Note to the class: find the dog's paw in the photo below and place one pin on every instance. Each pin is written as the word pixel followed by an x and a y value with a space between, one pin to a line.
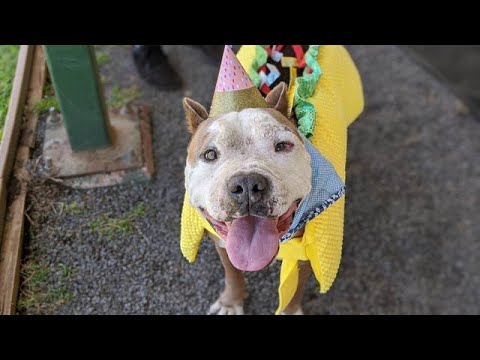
pixel 220 309
pixel 299 311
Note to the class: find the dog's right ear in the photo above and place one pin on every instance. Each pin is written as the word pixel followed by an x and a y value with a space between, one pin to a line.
pixel 195 114
pixel 278 98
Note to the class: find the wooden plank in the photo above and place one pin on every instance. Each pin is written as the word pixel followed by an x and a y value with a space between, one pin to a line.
pixel 11 246
pixel 144 113
pixel 13 123
pixel 11 252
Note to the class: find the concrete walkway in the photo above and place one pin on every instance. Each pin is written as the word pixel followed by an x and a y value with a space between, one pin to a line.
pixel 412 217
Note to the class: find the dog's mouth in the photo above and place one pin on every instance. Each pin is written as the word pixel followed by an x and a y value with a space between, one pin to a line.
pixel 252 242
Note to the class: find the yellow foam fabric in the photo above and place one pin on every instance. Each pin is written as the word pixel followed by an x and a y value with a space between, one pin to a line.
pixel 338 100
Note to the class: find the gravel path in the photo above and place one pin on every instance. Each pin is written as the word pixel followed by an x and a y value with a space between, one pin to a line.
pixel 412 216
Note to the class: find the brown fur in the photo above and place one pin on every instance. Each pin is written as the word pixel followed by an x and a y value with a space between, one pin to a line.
pixel 278 100
pixel 235 290
pixel 195 114
pixel 200 139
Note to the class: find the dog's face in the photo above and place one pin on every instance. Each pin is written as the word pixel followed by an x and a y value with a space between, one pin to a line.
pixel 246 172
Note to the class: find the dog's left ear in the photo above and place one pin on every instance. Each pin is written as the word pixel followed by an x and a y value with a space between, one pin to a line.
pixel 278 99
pixel 195 114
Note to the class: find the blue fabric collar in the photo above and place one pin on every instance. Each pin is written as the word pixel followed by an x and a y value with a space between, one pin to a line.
pixel 327 188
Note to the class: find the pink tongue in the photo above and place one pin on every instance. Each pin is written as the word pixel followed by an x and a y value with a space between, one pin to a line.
pixel 252 242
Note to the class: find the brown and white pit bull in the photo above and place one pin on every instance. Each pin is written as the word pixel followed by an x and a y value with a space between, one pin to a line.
pixel 246 172
pixel 258 184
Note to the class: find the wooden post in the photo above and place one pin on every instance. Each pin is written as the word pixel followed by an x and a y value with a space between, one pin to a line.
pixel 73 69
pixel 27 86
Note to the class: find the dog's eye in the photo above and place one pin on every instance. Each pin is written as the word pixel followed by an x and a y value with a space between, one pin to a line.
pixel 210 155
pixel 283 146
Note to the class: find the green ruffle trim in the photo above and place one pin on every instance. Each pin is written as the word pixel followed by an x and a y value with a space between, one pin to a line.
pixel 304 86
pixel 304 89
pixel 261 58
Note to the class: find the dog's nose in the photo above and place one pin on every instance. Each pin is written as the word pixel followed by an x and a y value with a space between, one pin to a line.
pixel 248 188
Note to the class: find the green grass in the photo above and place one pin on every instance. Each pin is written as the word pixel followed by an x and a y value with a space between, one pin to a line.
pixel 102 57
pixel 138 211
pixel 45 104
pixel 49 100
pixel 36 274
pixel 74 208
pixel 8 63
pixel 104 80
pixel 36 294
pixel 108 227
pixel 101 54
pixel 122 96
pixel 67 271
pixel 58 296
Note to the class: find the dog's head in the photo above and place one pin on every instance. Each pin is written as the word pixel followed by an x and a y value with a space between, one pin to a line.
pixel 246 172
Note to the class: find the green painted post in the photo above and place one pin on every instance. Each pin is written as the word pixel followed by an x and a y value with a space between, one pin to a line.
pixel 74 73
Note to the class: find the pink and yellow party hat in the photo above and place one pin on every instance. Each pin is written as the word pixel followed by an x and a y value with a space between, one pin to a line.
pixel 235 91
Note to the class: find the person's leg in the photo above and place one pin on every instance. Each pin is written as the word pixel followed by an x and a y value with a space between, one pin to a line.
pixel 153 66
pixel 214 52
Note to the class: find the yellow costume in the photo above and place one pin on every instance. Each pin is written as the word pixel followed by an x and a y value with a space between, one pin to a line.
pixel 338 99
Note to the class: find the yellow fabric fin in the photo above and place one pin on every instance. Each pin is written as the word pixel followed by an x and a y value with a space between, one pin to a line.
pixel 191 232
pixel 193 228
pixel 291 252
pixel 246 55
pixel 291 90
pixel 288 284
pixel 339 100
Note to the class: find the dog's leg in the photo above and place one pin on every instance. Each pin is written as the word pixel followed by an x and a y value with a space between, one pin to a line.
pixel 231 299
pixel 295 306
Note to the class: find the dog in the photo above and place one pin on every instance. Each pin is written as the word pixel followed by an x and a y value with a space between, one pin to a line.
pixel 247 174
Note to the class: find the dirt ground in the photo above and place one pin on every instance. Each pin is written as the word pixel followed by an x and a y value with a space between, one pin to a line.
pixel 412 221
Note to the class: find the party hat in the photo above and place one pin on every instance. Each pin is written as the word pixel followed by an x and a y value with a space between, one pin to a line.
pixel 235 91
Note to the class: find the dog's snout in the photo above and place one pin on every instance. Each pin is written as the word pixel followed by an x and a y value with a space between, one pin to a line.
pixel 248 188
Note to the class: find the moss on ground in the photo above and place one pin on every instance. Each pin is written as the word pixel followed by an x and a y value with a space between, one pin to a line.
pixel 107 226
pixel 122 96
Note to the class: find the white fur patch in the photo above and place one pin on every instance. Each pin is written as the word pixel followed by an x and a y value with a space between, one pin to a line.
pixel 245 142
pixel 219 309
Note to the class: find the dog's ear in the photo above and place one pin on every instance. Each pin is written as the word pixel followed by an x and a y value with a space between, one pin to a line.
pixel 278 98
pixel 195 114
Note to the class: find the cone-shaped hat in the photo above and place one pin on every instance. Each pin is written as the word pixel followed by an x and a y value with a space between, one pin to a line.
pixel 235 90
